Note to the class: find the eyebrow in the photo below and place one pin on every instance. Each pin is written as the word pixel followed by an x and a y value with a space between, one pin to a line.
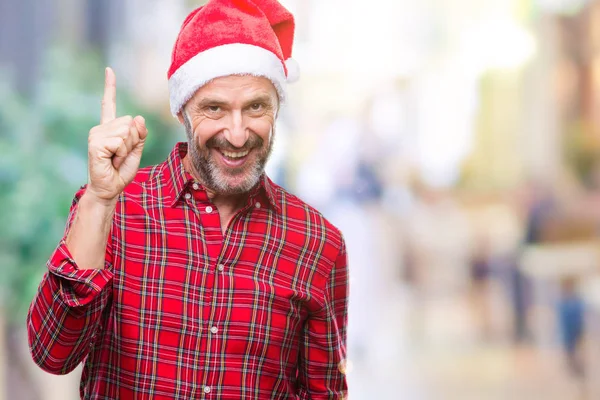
pixel 207 101
pixel 263 98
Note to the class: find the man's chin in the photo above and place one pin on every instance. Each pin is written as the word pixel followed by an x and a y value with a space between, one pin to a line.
pixel 234 186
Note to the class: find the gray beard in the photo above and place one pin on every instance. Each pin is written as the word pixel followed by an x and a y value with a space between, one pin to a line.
pixel 211 176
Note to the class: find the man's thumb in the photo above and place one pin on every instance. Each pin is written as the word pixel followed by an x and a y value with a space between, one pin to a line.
pixel 140 125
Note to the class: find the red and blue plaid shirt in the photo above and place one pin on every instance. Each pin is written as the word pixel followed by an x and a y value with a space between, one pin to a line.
pixel 183 311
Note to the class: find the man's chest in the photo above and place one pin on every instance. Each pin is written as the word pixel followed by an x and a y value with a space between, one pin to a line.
pixel 181 286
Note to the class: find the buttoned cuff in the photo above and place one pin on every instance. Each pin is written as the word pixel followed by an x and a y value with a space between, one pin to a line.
pixel 78 287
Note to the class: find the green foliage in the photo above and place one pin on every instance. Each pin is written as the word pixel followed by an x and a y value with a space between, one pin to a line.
pixel 43 161
pixel 582 151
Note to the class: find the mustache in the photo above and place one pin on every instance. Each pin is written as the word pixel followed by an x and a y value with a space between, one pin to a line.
pixel 220 142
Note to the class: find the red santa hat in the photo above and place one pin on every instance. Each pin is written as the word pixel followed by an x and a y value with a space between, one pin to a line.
pixel 232 37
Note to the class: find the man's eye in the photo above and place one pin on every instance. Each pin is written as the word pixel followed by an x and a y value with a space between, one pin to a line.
pixel 256 107
pixel 213 109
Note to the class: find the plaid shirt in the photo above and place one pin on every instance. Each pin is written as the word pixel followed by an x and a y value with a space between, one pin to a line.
pixel 181 311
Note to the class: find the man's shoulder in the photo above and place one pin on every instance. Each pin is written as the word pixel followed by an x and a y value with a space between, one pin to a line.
pixel 148 173
pixel 159 177
pixel 302 216
pixel 144 179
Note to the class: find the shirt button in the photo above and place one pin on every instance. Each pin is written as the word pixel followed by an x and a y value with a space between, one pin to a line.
pixel 188 196
pixel 209 209
pixel 214 329
pixel 195 186
pixel 206 389
pixel 257 205
pixel 221 267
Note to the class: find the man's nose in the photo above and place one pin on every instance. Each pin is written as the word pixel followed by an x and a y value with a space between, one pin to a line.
pixel 236 133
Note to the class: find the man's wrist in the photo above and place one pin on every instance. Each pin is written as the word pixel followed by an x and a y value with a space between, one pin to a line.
pixel 87 236
pixel 90 199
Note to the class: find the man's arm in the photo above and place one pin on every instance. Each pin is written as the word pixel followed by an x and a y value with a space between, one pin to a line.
pixel 322 366
pixel 66 310
pixel 65 313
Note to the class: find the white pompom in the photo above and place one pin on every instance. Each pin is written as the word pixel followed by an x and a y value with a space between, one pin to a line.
pixel 293 70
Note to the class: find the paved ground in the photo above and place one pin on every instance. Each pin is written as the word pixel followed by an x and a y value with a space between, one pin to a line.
pixel 435 348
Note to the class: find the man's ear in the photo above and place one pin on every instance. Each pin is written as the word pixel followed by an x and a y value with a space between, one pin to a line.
pixel 180 117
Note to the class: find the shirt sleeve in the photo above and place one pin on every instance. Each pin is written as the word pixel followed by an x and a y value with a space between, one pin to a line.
pixel 65 313
pixel 322 361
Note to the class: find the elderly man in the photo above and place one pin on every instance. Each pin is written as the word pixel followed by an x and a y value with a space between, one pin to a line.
pixel 198 277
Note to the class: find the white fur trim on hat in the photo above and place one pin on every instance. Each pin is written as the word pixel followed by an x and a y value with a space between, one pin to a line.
pixel 229 59
pixel 293 70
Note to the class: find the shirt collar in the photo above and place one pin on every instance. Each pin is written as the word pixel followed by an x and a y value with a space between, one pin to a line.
pixel 173 174
pixel 178 180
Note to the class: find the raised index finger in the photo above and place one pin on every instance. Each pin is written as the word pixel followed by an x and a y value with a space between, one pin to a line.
pixel 109 101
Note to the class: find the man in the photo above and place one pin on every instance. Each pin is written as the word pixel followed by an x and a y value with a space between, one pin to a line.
pixel 198 277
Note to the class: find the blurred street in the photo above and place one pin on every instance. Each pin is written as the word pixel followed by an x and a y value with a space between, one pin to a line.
pixel 455 143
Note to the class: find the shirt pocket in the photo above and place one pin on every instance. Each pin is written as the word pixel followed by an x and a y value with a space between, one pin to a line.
pixel 264 313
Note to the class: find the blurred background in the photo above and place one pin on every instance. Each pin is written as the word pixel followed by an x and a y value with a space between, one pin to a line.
pixel 456 143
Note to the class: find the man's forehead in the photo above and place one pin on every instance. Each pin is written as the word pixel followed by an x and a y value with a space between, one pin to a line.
pixel 238 85
pixel 236 88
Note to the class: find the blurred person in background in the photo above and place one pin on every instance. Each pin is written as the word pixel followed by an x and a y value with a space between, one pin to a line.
pixel 198 276
pixel 481 269
pixel 539 205
pixel 570 309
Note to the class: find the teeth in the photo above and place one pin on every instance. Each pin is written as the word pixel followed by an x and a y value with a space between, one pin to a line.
pixel 236 155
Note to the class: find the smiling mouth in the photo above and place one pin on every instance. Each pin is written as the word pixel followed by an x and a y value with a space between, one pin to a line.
pixel 233 159
pixel 235 154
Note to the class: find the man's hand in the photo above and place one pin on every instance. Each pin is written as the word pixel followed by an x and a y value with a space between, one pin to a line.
pixel 114 147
